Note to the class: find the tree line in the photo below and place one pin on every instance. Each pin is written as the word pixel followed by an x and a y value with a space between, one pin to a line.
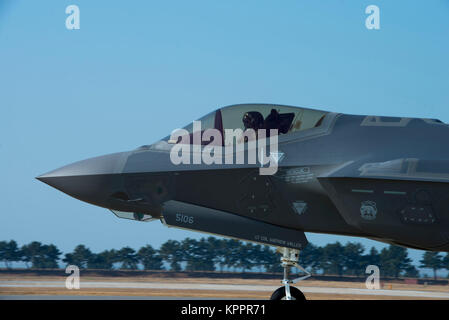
pixel 214 254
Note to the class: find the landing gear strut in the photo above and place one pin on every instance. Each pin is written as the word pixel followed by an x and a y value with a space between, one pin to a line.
pixel 290 259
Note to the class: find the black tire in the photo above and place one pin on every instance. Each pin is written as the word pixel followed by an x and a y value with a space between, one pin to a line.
pixel 296 294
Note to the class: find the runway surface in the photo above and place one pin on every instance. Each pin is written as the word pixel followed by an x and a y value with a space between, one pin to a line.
pixel 80 297
pixel 216 287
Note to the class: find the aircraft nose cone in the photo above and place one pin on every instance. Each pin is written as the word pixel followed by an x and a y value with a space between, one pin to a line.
pixel 89 180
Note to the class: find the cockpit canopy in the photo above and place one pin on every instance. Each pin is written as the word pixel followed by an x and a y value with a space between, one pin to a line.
pixel 284 119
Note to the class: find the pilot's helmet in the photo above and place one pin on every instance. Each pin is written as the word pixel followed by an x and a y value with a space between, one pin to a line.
pixel 253 120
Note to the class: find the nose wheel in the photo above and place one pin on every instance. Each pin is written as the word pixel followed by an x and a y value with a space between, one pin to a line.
pixel 289 259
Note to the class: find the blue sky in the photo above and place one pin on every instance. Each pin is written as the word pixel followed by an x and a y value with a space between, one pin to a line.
pixel 135 71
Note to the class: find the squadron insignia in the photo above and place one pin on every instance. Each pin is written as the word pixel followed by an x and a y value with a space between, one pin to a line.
pixel 368 210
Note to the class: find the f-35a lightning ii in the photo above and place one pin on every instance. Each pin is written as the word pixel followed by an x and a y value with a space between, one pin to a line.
pixel 382 178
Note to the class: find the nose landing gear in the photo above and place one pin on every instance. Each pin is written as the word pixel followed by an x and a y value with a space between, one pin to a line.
pixel 289 259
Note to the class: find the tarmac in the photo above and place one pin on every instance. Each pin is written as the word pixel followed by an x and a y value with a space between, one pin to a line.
pixel 408 294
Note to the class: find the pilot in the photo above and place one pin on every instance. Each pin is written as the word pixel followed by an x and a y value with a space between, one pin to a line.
pixel 251 120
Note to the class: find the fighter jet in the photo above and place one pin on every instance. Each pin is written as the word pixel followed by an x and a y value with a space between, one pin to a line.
pixel 269 173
